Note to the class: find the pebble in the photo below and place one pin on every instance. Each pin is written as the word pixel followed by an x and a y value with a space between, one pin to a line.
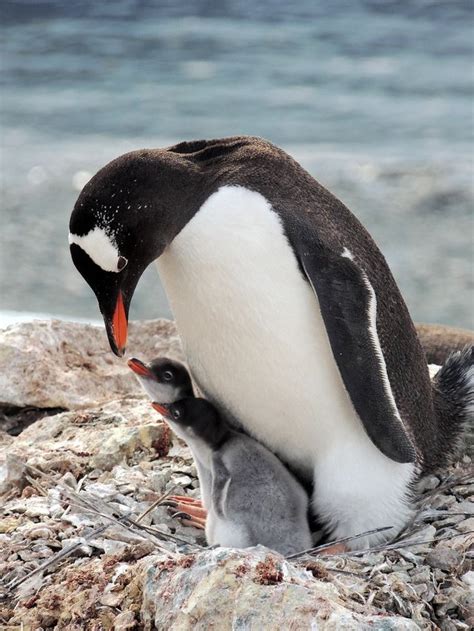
pixel 12 472
pixel 467 525
pixel 444 558
pixel 181 480
pixel 468 578
pixel 443 501
pixel 465 507
pixel 421 575
pixel 125 621
pixel 427 483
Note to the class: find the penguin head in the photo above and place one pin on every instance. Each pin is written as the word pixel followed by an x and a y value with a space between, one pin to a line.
pixel 124 218
pixel 193 418
pixel 163 379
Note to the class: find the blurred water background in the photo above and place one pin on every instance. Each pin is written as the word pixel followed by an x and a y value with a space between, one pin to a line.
pixel 374 98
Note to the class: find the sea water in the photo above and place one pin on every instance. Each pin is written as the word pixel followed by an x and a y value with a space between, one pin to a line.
pixel 374 98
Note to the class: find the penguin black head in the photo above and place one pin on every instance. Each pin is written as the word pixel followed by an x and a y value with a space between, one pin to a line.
pixel 195 418
pixel 132 209
pixel 124 218
pixel 163 379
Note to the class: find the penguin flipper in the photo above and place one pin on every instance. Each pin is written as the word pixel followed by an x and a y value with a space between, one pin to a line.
pixel 348 307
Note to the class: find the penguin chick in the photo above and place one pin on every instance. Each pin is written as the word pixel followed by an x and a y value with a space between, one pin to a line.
pixel 166 381
pixel 254 499
pixel 163 379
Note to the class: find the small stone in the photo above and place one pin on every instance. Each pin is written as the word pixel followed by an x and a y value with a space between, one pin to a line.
pixel 467 525
pixel 468 578
pixel 12 472
pixel 452 520
pixel 421 540
pixel 39 532
pixel 465 490
pixel 444 558
pixel 427 483
pixel 124 621
pixel 447 625
pixel 9 524
pixel 443 501
pixel 422 575
pixel 465 507
pixel 182 480
pixel 420 589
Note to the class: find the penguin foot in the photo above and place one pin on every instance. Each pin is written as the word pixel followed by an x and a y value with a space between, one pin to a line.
pixel 190 520
pixel 189 509
pixel 185 499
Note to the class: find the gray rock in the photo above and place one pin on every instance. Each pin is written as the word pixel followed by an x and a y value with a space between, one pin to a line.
pixel 467 525
pixel 468 578
pixel 427 483
pixel 250 589
pixel 444 558
pixel 12 472
pixel 77 367
pixel 466 507
pixel 119 431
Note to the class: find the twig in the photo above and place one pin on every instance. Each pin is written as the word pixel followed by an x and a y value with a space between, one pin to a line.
pixel 86 504
pixel 156 503
pixel 324 546
pixel 153 529
pixel 402 544
pixel 455 481
pixel 62 554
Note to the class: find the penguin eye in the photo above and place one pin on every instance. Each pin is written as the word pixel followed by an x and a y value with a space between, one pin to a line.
pixel 121 263
pixel 167 375
pixel 176 414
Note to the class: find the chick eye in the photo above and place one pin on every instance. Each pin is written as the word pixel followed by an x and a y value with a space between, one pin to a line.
pixel 176 414
pixel 167 375
pixel 121 263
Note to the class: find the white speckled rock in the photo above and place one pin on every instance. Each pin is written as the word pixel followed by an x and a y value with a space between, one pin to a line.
pixel 66 364
pixel 251 589
pixel 103 436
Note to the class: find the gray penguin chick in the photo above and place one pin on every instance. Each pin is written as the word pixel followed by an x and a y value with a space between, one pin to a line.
pixel 166 381
pixel 253 499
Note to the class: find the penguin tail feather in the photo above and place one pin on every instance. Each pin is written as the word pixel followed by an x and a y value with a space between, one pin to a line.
pixel 453 392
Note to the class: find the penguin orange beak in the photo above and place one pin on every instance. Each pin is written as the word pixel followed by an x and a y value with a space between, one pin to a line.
pixel 120 325
pixel 161 409
pixel 139 368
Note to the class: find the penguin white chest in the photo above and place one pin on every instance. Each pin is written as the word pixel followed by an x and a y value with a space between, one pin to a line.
pixel 252 329
pixel 257 346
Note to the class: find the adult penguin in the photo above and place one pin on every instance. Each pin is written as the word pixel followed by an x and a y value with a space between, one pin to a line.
pixel 290 319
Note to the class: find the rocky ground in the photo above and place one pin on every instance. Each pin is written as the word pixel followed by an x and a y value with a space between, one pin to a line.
pixel 86 541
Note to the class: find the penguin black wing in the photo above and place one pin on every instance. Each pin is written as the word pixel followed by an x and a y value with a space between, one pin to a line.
pixel 348 307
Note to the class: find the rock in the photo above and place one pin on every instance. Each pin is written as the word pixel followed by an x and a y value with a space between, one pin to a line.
pixel 119 431
pixel 12 472
pixel 69 365
pixel 466 507
pixel 124 621
pixel 427 483
pixel 124 442
pixel 91 476
pixel 468 578
pixel 444 558
pixel 467 525
pixel 251 589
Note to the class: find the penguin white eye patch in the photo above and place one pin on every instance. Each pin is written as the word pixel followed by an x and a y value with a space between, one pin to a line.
pixel 101 248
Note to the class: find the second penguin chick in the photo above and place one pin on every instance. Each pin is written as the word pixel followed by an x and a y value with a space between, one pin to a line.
pixel 253 499
pixel 166 381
